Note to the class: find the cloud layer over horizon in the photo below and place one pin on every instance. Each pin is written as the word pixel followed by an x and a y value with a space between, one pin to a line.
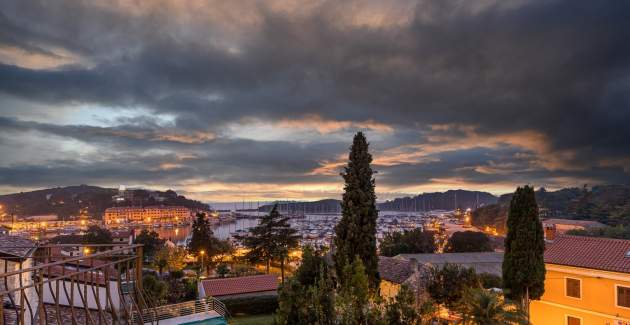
pixel 259 99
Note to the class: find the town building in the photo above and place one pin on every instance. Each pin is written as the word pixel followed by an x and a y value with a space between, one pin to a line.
pixel 587 281
pixel 16 253
pixel 395 272
pixel 411 269
pixel 239 287
pixel 554 227
pixel 147 215
pixel 482 262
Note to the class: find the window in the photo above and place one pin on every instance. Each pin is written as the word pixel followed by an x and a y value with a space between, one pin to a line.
pixel 573 320
pixel 573 288
pixel 623 296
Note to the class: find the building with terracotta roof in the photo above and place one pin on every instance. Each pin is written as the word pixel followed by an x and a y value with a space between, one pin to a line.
pixel 554 227
pixel 394 272
pixel 16 253
pixel 411 269
pixel 239 287
pixel 587 282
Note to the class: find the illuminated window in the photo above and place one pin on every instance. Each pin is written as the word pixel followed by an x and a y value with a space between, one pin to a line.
pixel 573 287
pixel 623 296
pixel 573 320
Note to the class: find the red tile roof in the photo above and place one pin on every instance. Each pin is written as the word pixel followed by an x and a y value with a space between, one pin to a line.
pixel 240 285
pixel 392 269
pixel 590 252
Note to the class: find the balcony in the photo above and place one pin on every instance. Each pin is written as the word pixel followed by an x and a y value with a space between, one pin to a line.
pixel 40 285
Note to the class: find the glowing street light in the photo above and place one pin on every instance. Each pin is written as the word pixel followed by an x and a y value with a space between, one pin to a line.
pixel 86 251
pixel 202 252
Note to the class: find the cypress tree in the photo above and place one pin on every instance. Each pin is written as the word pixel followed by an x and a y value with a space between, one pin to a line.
pixel 355 234
pixel 523 262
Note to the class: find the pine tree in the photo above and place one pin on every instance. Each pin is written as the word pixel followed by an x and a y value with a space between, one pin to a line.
pixel 523 262
pixel 355 234
pixel 272 238
pixel 202 237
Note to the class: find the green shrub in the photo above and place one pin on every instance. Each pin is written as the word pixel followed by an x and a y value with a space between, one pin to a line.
pixel 254 305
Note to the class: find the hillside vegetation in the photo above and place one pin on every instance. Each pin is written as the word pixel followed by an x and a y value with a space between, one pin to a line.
pixel 87 200
pixel 608 204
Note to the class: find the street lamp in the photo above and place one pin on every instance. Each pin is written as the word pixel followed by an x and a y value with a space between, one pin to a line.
pixel 202 252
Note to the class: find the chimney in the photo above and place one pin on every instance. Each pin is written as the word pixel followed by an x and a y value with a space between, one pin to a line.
pixel 550 232
pixel 413 264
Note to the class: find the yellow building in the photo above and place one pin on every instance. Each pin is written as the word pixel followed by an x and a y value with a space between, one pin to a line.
pixel 394 272
pixel 146 215
pixel 587 283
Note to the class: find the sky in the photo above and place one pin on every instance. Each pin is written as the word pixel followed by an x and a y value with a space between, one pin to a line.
pixel 259 100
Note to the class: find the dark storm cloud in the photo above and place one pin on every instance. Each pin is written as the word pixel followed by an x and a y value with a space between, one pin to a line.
pixel 220 160
pixel 559 69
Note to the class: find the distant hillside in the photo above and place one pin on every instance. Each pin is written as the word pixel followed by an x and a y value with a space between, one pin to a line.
pixel 449 200
pixel 423 202
pixel 79 200
pixel 609 204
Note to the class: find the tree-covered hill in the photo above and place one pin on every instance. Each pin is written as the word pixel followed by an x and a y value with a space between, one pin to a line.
pixel 87 200
pixel 422 202
pixel 608 204
pixel 449 200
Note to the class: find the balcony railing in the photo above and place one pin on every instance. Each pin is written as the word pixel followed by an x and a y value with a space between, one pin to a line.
pixel 154 315
pixel 46 286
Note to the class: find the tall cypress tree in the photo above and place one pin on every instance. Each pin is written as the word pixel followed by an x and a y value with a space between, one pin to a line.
pixel 355 234
pixel 523 262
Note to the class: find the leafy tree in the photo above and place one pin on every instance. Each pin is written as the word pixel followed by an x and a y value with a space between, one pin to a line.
pixel 223 249
pixel 222 270
pixel 155 288
pixel 415 241
pixel 202 237
pixel 468 241
pixel 312 266
pixel 176 259
pixel 322 295
pixel 161 259
pixel 355 234
pixel 293 305
pixel 97 235
pixel 272 238
pixel 173 258
pixel 151 241
pixel 402 309
pixel 523 263
pixel 446 285
pixel 618 232
pixel 489 280
pixel 486 307
pixel 354 295
pixel 286 239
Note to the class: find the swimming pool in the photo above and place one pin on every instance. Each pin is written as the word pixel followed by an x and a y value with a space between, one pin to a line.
pixel 211 321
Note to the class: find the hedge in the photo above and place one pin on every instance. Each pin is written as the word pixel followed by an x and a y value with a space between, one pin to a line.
pixel 253 305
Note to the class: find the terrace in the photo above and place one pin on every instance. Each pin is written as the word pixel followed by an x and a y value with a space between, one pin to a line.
pixel 38 285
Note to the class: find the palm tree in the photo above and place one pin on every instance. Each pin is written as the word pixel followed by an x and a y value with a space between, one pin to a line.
pixel 480 306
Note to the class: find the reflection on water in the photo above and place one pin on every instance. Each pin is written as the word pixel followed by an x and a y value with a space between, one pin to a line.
pixel 180 235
